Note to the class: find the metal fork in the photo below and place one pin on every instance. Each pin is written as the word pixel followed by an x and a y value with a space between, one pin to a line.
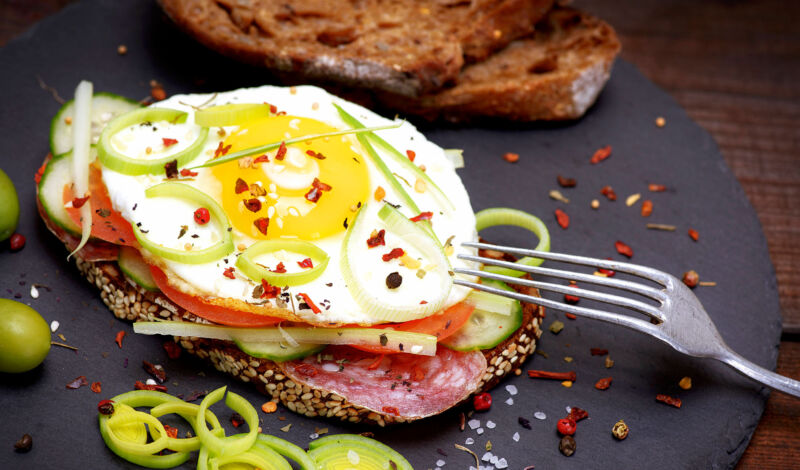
pixel 678 320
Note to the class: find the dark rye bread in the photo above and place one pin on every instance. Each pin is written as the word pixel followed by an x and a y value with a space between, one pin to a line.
pixel 407 47
pixel 555 74
pixel 130 302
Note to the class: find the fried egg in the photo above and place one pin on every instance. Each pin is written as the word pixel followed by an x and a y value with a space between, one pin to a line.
pixel 282 192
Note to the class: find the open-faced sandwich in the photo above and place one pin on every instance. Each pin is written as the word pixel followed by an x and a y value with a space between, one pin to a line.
pixel 298 241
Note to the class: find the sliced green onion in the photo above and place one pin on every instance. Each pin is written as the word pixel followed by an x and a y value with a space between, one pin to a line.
pixel 414 343
pixel 233 114
pixel 134 447
pixel 267 147
pixel 504 216
pixel 287 449
pixel 216 251
pixel 187 411
pixel 490 302
pixel 115 160
pixel 404 161
pixel 247 265
pixel 456 157
pixel 333 452
pixel 81 142
pixel 258 457
pixel 224 446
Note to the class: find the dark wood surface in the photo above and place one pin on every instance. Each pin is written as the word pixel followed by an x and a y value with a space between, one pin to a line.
pixel 735 67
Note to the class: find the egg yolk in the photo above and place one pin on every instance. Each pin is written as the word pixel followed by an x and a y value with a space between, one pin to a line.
pixel 308 190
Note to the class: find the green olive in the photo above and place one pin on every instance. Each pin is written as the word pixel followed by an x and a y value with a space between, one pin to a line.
pixel 24 337
pixel 9 207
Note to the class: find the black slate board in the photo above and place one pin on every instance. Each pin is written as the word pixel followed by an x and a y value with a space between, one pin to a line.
pixel 718 415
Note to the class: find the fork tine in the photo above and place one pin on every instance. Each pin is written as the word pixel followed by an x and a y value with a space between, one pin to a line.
pixel 615 318
pixel 629 286
pixel 583 293
pixel 635 269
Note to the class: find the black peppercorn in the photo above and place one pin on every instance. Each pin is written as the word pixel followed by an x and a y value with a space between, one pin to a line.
pixel 393 280
pixel 567 445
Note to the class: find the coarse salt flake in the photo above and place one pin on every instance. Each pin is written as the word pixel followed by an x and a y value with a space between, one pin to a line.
pixel 150 382
pixel 353 457
pixel 469 441
pixel 490 424
pixel 330 367
pixel 54 325
pixel 313 436
pixel 539 415
pixel 512 390
pixel 515 437
pixel 569 409
pixel 487 456
pixel 479 431
pixel 502 463
pixel 34 292
pixel 510 401
pixel 440 463
pixel 474 424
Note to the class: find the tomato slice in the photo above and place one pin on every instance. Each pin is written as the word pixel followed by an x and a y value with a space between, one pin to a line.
pixel 107 224
pixel 212 313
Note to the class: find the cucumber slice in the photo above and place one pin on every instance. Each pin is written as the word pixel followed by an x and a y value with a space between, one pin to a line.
pixel 485 330
pixel 278 352
pixel 133 265
pixel 353 450
pixel 105 106
pixel 51 192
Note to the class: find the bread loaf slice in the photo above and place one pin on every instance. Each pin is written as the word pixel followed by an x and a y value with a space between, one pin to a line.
pixel 406 47
pixel 555 74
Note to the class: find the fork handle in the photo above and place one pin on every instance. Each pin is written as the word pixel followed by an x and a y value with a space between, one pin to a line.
pixel 766 377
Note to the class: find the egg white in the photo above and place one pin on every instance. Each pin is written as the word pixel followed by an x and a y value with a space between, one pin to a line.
pixel 162 216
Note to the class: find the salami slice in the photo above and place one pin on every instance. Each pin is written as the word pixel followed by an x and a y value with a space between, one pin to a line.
pixel 402 385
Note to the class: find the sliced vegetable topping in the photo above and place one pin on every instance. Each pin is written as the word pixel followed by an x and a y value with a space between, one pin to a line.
pixel 216 251
pixel 228 446
pixel 104 107
pixel 81 142
pixel 249 267
pixel 117 161
pixel 353 450
pixel 505 216
pixel 230 114
pixel 133 265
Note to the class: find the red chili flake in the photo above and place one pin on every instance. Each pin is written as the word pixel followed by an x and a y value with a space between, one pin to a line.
pixel 603 383
pixel 572 299
pixel 171 432
pixel 608 192
pixel 395 253
pixel 269 291
pixel 78 202
pixel 607 272
pixel 541 374
pixel 169 142
pixel 562 218
pixel 172 349
pixel 311 304
pixel 157 93
pixel 306 369
pixel 411 155
pixel 17 242
pixel 577 414
pixel 422 216
pixel 313 195
pixel 202 216
pixel 306 263
pixel 252 204
pixel 571 316
pixel 566 182
pixel 272 108
pixel 566 426
pixel 676 402
pixel 280 268
pixel 241 186
pixel 482 401
pixel 262 224
pixel 229 272
pixel 78 383
pixel 281 153
pixel 185 172
pixel 511 157
pixel 105 407
pixel 171 169
pixel 693 234
pixel 118 338
pixel 647 208
pixel 320 185
pixel 601 154
pixel 376 239
pixel 221 149
pixel 390 410
pixel 96 387
pixel 598 351
pixel 261 159
pixel 656 188
pixel 316 155
pixel 623 249
pixel 139 385
pixel 237 420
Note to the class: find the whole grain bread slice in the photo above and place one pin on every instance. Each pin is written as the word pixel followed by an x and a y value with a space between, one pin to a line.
pixel 406 47
pixel 555 74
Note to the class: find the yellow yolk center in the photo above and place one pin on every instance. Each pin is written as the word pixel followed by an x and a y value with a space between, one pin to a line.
pixel 307 194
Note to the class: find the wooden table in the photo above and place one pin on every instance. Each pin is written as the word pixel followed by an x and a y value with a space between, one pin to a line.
pixel 735 67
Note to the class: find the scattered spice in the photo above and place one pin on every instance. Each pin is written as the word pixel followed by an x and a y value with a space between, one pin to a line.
pixel 262 224
pixel 482 401
pixel 685 383
pixel 660 122
pixel 308 301
pixel 306 263
pixel 691 278
pixel 139 385
pixel 78 202
pixel 609 362
pixel 170 431
pixel 600 155
pixel 595 204
pixel 281 153
pixel 566 426
pixel 567 445
pixel 511 157
pixel 287 427
pixel 632 199
pixel 676 402
pixel 17 242
pixel 171 169
pixel 609 193
pixel 707 283
pixel 598 351
pixel 118 338
pixel 556 327
pixel 96 387
pixel 603 383
pixel 393 280
pixel 202 216
pixel 562 218
pixel 577 414
pixel 269 407
pixel 78 383
pixel 572 299
pixel 571 316
pixel 566 182
pixel 228 272
pixel 155 370
pixel 168 142
pixel 411 155
pixel 567 383
pixel 24 444
pixel 376 238
pixel 122 49
pixel 525 423
pixel 556 195
pixel 185 172
pixel 541 374
pixel 620 430
pixel 693 234
pixel 316 155
pixel 477 461
pixel 254 204
pixel 237 420
pixel 172 349
pixel 656 188
pixel 647 208
pixel 665 227
pixel 241 186
pixel 380 193
pixel 422 216
pixel 157 92
pixel 395 253
pixel 221 149
pixel 623 249
pixel 462 420
pixel 105 407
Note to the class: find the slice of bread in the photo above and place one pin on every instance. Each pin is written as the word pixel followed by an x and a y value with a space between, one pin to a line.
pixel 555 74
pixel 407 47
